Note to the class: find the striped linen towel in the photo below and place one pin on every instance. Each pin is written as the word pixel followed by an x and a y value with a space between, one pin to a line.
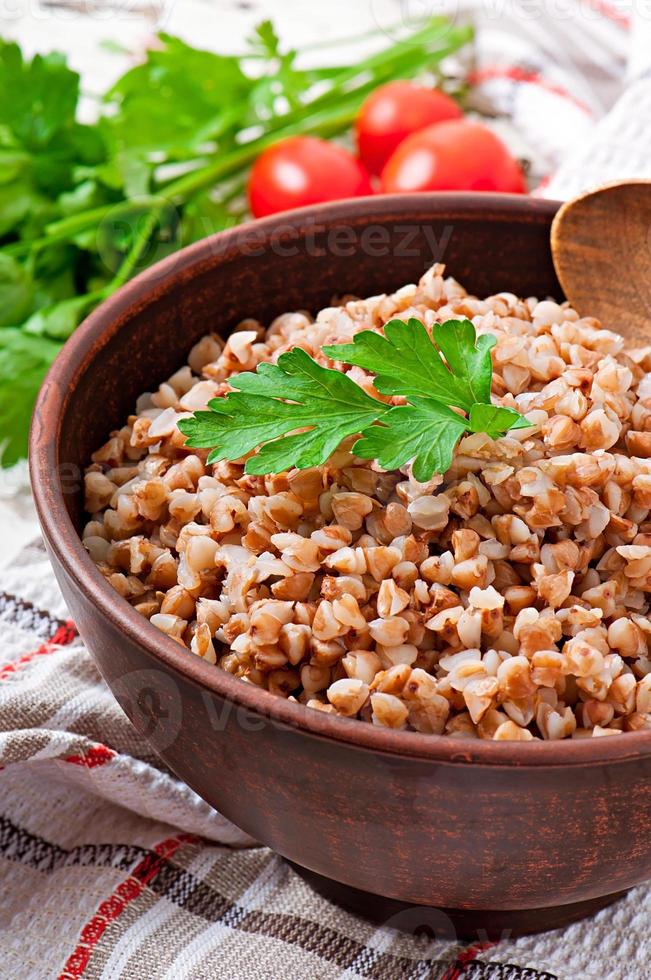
pixel 111 868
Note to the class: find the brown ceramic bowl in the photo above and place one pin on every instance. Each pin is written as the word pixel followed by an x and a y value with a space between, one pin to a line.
pixel 516 835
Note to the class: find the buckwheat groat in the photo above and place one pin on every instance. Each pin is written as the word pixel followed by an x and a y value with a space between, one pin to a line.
pixel 505 599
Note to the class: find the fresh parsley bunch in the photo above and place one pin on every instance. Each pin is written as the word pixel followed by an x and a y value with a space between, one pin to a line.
pixel 445 379
pixel 85 207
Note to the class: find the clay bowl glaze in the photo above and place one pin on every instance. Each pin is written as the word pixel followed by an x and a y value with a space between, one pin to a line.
pixel 520 836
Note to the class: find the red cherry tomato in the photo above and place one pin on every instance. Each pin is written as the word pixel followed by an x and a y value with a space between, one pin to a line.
pixel 304 170
pixel 453 156
pixel 394 111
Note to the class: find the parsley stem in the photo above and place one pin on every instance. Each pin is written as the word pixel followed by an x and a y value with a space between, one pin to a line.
pixel 132 257
pixel 65 229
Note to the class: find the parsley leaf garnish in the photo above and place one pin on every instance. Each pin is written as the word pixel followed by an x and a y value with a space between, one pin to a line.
pixel 296 412
pixel 326 401
pixel 406 362
pixel 425 431
pixel 494 420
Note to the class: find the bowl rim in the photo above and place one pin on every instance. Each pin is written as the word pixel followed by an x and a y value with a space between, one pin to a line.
pixel 65 544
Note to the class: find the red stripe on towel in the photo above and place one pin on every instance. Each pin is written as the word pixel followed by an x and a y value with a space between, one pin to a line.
pixel 97 755
pixel 60 638
pixel 456 969
pixel 109 910
pixel 515 73
pixel 610 12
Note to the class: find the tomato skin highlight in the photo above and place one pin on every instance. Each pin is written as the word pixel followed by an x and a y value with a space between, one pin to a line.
pixel 460 155
pixel 394 111
pixel 304 170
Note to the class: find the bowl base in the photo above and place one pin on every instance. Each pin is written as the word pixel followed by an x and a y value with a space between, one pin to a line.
pixel 468 924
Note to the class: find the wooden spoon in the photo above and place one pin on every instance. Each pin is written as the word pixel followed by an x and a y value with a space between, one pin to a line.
pixel 601 246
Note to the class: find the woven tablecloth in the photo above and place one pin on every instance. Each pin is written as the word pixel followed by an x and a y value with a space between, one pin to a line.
pixel 109 866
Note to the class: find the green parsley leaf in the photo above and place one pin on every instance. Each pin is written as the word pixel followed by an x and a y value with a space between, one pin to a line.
pixel 177 100
pixel 58 320
pixel 16 291
pixel 18 199
pixel 38 99
pixel 264 41
pixel 407 362
pixel 282 78
pixel 24 359
pixel 468 358
pixel 425 431
pixel 325 402
pixel 404 360
pixel 495 420
pixel 12 164
pixel 326 406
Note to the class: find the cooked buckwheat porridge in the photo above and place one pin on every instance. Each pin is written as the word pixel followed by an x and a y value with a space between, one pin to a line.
pixel 506 599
